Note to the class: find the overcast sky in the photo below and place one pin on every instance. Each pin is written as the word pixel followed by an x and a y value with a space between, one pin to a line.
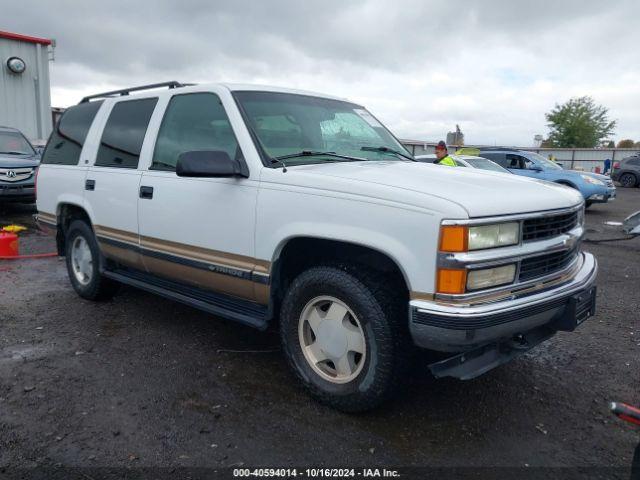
pixel 494 67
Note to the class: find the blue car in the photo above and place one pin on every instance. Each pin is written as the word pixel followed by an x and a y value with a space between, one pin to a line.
pixel 595 188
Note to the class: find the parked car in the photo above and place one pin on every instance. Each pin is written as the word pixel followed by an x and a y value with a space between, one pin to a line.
pixel 275 206
pixel 594 188
pixel 18 164
pixel 469 161
pixel 627 172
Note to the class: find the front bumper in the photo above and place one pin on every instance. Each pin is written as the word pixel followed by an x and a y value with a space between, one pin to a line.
pixel 450 328
pixel 17 192
pixel 604 197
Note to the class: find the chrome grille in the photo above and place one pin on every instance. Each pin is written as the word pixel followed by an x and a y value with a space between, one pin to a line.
pixel 545 264
pixel 15 174
pixel 546 227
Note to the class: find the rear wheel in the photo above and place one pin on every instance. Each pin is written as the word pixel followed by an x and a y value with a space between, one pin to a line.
pixel 343 337
pixel 83 264
pixel 628 180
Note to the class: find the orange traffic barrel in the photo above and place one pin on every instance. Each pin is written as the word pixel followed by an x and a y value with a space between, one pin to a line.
pixel 8 244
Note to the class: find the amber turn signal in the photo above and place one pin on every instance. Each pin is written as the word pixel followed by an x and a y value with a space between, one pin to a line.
pixel 454 238
pixel 451 281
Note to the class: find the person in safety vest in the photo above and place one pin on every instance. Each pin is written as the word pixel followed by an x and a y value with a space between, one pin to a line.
pixel 442 156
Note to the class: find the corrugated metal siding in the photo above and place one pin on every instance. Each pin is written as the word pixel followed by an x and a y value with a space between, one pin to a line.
pixel 20 105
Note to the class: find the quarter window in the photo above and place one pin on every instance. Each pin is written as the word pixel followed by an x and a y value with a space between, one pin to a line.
pixel 68 136
pixel 193 121
pixel 124 133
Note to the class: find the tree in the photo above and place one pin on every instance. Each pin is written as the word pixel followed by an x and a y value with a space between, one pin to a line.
pixel 626 143
pixel 579 123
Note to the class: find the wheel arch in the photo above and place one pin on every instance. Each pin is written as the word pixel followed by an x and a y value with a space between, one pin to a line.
pixel 296 254
pixel 66 213
pixel 567 183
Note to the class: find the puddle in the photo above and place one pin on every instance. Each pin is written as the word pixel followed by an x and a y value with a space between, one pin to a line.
pixel 21 353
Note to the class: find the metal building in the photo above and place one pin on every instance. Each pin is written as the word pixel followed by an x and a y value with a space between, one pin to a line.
pixel 25 98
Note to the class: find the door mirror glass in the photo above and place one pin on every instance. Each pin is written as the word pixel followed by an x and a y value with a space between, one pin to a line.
pixel 207 163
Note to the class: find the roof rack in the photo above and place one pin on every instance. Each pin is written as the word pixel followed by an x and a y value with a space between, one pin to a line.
pixel 127 91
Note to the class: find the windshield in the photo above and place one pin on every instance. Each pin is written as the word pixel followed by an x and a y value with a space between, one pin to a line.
pixel 485 164
pixel 543 162
pixel 288 124
pixel 13 143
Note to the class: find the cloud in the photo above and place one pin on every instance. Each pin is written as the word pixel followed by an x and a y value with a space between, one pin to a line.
pixel 494 67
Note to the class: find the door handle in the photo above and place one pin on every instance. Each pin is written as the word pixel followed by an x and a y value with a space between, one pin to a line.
pixel 146 192
pixel 90 185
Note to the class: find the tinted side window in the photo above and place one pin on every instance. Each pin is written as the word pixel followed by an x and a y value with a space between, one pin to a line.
pixel 68 136
pixel 124 133
pixel 194 121
pixel 499 158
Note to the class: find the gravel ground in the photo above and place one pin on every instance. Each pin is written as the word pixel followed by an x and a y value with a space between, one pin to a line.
pixel 141 381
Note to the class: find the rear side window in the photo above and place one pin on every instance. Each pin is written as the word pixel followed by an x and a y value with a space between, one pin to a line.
pixel 194 121
pixel 68 136
pixel 124 133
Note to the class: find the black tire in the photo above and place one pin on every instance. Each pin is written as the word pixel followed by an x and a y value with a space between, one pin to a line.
pixel 628 180
pixel 587 204
pixel 382 316
pixel 98 287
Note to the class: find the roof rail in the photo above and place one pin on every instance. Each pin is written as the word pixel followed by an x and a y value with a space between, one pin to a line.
pixel 497 147
pixel 127 91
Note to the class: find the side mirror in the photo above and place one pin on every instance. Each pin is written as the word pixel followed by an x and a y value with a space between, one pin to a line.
pixel 208 163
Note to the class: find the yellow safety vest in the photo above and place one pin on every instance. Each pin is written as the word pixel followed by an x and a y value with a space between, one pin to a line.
pixel 448 161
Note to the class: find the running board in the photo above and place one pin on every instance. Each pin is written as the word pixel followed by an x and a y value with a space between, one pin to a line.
pixel 243 311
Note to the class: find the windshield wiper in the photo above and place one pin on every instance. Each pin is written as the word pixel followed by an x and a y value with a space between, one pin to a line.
pixel 13 153
pixel 312 153
pixel 388 150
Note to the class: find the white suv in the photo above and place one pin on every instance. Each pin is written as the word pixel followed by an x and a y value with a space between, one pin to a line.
pixel 274 206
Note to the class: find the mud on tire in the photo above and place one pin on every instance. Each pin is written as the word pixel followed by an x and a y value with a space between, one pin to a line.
pixel 382 318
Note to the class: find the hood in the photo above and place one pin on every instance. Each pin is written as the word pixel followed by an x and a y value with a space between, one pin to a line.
pixel 480 192
pixel 19 161
pixel 602 178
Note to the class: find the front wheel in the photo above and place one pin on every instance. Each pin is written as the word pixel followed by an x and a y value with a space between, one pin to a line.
pixel 342 335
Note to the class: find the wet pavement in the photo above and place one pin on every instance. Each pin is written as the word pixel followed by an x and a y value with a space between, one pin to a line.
pixel 140 381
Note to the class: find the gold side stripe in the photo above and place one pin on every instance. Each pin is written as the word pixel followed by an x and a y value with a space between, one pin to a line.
pixel 47 217
pixel 189 252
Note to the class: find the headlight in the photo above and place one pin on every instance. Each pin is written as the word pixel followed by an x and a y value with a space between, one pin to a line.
pixel 491 236
pixel 592 180
pixel 460 238
pixel 491 277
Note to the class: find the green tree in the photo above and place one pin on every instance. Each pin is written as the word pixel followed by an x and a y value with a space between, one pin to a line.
pixel 579 123
pixel 626 143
